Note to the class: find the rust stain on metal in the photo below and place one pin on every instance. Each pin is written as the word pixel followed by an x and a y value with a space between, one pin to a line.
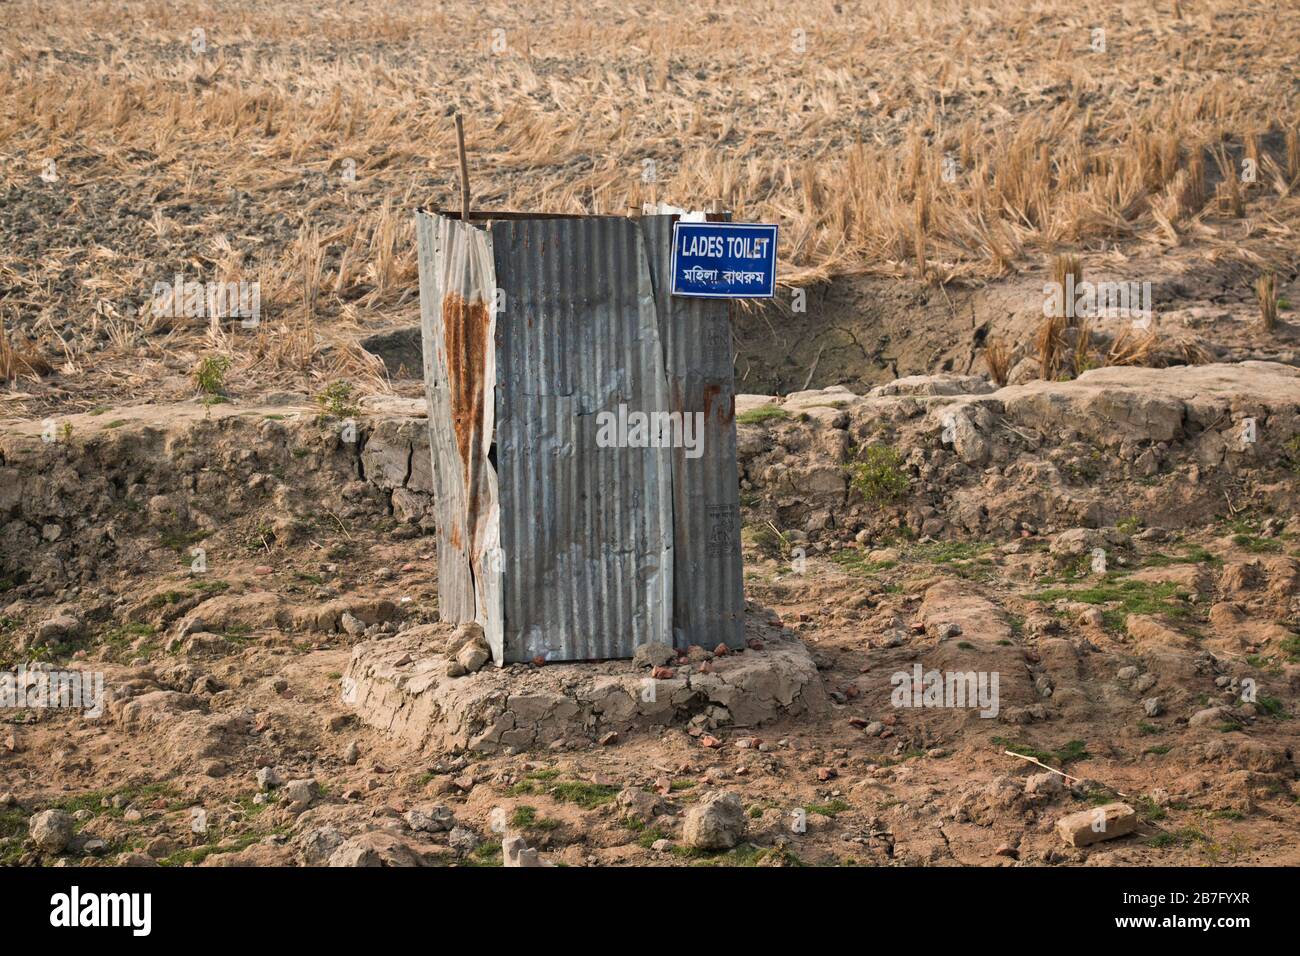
pixel 726 410
pixel 465 326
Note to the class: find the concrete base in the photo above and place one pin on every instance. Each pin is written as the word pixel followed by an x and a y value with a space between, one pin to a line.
pixel 400 685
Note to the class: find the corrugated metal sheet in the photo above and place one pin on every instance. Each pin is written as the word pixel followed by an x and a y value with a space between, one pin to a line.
pixel 457 285
pixel 601 548
pixel 709 600
pixel 586 530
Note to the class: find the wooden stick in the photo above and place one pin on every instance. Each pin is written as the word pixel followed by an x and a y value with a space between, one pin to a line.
pixel 464 169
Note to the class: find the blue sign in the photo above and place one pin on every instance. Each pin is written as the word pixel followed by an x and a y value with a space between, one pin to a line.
pixel 724 260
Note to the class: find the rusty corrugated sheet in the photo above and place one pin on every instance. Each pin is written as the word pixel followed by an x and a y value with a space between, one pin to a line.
pixel 586 531
pixel 457 285
pixel 600 548
pixel 709 599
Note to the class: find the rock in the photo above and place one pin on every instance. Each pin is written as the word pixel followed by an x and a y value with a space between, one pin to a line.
pixel 351 754
pixel 716 822
pixel 473 655
pixel 515 852
pixel 462 839
pixel 57 629
pixel 374 849
pixel 1127 673
pixel 1210 715
pixel 874 729
pixel 661 845
pixel 653 654
pixel 430 819
pixel 352 625
pixel 316 846
pixel 1106 822
pixel 1153 707
pixel 1043 784
pixel 299 794
pixel 1145 683
pixel 268 779
pixel 635 803
pixel 50 830
pixel 136 858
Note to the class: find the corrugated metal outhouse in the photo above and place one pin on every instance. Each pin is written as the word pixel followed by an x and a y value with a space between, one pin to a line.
pixel 539 332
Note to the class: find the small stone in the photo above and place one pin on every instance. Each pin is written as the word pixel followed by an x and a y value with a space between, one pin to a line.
pixel 462 839
pixel 661 846
pixel 716 822
pixel 50 830
pixel 352 625
pixel 609 739
pixel 351 754
pixel 1127 673
pixel 430 819
pixel 268 779
pixel 662 673
pixel 299 794
pixel 515 852
pixel 1145 683
pixel 653 654
pixel 826 773
pixel 1043 784
pixel 133 816
pixel 698 655
pixel 1210 715
pixel 1153 707
pixel 721 650
pixel 473 655
pixel 874 729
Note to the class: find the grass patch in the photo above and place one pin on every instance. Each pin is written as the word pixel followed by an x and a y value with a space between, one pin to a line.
pixel 1272 706
pixel 94 800
pixel 1183 836
pixel 878 476
pixel 1130 597
pixel 588 796
pixel 855 562
pixel 486 854
pixel 178 541
pixel 761 414
pixel 1257 545
pixel 831 809
pixel 742 855
pixel 1072 750
pixel 526 818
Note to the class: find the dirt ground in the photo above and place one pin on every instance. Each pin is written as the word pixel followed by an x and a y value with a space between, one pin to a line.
pixel 909 500
pixel 217 674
